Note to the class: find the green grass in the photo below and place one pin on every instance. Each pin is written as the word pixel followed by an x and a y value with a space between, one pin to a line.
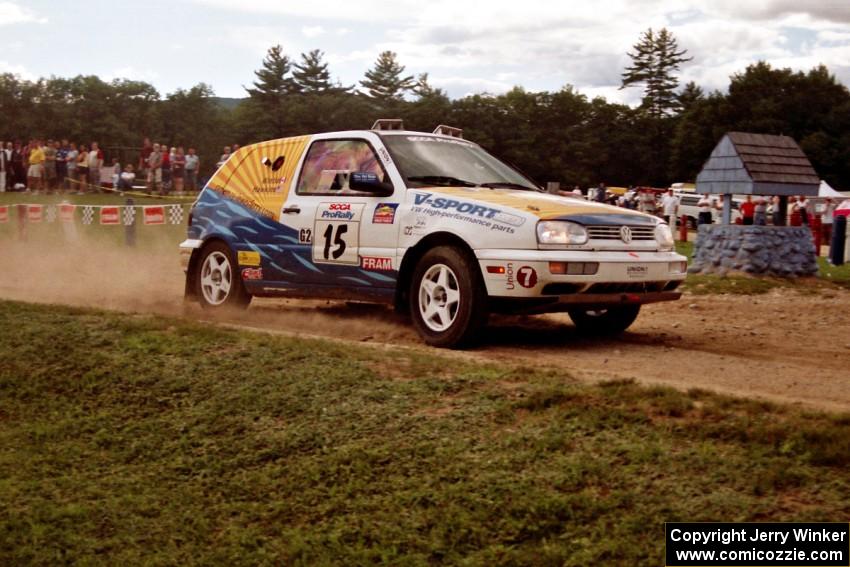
pixel 132 439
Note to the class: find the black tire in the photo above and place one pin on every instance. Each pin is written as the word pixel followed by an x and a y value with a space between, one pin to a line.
pixel 218 284
pixel 456 298
pixel 607 322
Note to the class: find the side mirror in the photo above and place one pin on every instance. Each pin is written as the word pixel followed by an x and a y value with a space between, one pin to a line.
pixel 369 182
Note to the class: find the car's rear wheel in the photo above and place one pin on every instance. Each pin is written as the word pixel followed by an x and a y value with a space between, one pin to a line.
pixel 448 301
pixel 604 322
pixel 217 281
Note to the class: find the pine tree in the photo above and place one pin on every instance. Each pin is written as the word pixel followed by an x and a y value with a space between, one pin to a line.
pixel 654 60
pixel 270 90
pixel 311 75
pixel 423 88
pixel 385 82
pixel 690 95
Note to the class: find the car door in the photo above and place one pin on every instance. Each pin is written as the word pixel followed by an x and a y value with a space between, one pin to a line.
pixel 345 237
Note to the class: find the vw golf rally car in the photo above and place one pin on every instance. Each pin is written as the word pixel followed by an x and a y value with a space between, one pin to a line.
pixel 429 222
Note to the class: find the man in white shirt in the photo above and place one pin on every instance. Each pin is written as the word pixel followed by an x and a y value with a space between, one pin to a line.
pixel 670 206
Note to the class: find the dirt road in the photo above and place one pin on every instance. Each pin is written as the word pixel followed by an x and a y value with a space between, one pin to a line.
pixel 783 346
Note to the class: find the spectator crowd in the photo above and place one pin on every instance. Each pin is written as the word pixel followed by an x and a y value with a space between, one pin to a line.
pixel 59 166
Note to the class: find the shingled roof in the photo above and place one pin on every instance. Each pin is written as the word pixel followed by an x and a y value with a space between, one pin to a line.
pixel 758 164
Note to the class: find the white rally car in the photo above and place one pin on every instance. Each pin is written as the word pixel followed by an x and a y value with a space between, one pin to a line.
pixel 430 223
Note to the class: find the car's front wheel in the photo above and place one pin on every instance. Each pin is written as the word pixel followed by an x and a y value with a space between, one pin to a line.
pixel 604 322
pixel 448 301
pixel 217 282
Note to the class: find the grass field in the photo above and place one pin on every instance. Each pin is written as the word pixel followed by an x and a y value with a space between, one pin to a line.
pixel 130 439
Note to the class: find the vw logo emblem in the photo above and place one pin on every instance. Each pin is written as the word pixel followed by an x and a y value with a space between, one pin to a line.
pixel 625 234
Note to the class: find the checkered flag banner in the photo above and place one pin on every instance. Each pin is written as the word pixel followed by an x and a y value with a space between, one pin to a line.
pixel 88 214
pixel 129 215
pixel 50 213
pixel 175 214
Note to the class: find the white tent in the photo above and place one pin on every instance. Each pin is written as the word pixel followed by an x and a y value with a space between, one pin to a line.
pixel 826 191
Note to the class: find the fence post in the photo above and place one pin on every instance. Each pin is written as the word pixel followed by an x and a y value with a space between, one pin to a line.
pixel 683 229
pixel 130 227
pixel 836 248
pixel 22 223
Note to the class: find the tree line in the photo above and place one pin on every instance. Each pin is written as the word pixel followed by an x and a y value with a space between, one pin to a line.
pixel 553 136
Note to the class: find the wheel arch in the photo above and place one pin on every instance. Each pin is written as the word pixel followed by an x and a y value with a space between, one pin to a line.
pixel 413 255
pixel 191 269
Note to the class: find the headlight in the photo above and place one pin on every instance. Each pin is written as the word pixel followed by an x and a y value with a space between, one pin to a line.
pixel 664 237
pixel 560 232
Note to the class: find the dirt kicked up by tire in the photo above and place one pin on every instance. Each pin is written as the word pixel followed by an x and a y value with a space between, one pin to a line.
pixel 448 301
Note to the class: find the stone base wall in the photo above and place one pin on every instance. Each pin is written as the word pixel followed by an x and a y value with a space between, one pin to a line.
pixel 760 250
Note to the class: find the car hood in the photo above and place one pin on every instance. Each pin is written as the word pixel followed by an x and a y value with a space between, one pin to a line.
pixel 546 206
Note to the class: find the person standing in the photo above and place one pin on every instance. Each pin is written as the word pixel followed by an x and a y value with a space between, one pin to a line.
pixel 704 207
pixel 154 169
pixel 748 210
pixel 224 157
pixel 193 164
pixel 760 212
pixel 166 170
pixel 3 161
pixel 95 163
pixel 803 209
pixel 35 173
pixel 61 164
pixel 71 165
pixel 144 156
pixel 178 169
pixel 670 207
pixel 82 169
pixel 601 193
pixel 49 166
pixel 827 218
pixel 17 161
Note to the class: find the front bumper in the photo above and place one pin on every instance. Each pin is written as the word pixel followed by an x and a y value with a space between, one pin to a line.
pixel 618 276
pixel 187 247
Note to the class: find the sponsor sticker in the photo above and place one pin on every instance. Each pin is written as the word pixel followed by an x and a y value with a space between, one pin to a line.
pixel 154 214
pixel 110 215
pixel 485 216
pixel 4 214
pixel 66 212
pixel 248 258
pixel 384 213
pixel 527 277
pixel 252 274
pixel 35 213
pixel 376 263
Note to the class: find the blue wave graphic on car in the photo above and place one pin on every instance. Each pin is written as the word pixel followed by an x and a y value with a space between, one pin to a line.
pixel 286 261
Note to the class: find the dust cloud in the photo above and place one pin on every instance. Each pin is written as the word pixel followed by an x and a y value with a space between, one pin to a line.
pixel 89 272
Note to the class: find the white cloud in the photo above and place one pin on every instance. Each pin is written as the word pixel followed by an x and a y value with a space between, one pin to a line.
pixel 12 13
pixel 132 73
pixel 312 31
pixel 544 44
pixel 19 70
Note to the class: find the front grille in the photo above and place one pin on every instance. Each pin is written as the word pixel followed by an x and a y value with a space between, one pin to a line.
pixel 626 287
pixel 612 232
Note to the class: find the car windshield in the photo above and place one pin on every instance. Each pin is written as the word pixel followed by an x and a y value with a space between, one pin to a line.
pixel 432 160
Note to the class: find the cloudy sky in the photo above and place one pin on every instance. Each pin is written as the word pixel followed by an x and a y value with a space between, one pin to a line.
pixel 465 46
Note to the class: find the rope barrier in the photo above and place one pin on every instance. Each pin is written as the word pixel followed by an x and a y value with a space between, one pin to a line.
pixel 122 192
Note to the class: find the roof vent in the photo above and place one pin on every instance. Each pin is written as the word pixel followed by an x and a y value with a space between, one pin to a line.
pixel 449 131
pixel 388 124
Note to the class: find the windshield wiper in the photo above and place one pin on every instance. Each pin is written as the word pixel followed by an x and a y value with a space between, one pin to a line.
pixel 442 180
pixel 508 184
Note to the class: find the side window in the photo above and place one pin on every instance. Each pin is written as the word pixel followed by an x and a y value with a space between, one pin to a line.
pixel 329 163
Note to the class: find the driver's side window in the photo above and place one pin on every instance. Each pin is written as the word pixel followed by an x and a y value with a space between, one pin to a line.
pixel 329 164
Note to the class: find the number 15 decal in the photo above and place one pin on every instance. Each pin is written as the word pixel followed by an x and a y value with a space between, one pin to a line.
pixel 336 233
pixel 338 241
